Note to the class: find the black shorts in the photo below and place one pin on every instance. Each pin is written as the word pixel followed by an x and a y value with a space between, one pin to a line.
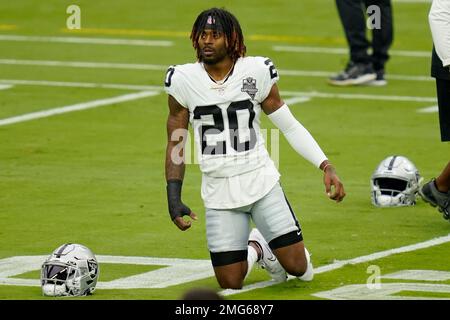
pixel 443 95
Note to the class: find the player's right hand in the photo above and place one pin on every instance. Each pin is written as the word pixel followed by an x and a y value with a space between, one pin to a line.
pixel 177 211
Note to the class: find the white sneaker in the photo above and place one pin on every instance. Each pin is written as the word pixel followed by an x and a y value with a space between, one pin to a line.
pixel 309 274
pixel 268 261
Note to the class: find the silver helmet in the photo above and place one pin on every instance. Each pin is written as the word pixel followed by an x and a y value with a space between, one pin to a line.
pixel 71 270
pixel 395 182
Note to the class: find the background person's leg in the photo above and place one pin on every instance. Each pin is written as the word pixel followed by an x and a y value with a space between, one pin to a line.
pixel 359 69
pixel 382 38
pixel 353 20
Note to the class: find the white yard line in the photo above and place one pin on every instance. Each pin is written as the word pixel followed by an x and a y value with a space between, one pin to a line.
pixel 344 51
pixel 431 109
pixel 384 254
pixel 5 86
pixel 296 100
pixel 77 107
pixel 352 96
pixel 412 1
pixel 142 66
pixel 78 40
pixel 409 78
pixel 326 74
pixel 311 94
pixel 69 84
pixel 82 64
pixel 339 264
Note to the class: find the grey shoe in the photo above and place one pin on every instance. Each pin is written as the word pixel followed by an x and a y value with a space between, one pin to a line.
pixel 433 196
pixel 380 80
pixel 354 74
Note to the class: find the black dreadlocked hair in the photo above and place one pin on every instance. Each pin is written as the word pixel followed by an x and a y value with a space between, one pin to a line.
pixel 231 29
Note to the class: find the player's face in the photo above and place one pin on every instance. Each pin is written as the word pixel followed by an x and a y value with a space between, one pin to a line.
pixel 212 46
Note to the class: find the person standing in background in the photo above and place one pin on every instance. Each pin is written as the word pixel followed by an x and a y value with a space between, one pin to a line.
pixel 365 68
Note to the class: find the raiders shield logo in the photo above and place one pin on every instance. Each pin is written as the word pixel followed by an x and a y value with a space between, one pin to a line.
pixel 249 86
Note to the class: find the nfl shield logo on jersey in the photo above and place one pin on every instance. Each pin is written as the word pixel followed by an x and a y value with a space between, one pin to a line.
pixel 249 86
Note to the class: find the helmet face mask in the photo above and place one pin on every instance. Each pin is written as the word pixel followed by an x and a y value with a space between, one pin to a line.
pixel 395 182
pixel 71 270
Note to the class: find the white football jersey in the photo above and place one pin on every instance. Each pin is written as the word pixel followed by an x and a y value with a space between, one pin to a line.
pixel 226 123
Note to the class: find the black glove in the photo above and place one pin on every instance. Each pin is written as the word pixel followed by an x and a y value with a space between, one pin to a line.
pixel 176 207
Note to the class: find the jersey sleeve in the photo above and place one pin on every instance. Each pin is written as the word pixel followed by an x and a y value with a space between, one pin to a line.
pixel 174 85
pixel 269 76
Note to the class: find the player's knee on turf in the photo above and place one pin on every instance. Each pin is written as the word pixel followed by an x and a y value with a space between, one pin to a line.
pixel 295 267
pixel 288 250
pixel 231 276
pixel 299 264
pixel 230 268
pixel 227 282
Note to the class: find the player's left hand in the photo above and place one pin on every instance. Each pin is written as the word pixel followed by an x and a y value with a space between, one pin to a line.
pixel 331 179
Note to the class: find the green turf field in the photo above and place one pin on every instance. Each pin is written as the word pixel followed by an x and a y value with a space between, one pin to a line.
pixel 96 176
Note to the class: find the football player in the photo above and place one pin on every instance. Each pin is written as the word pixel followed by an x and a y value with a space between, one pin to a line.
pixel 437 191
pixel 223 95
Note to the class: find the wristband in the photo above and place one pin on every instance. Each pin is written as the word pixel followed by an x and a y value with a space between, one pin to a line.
pixel 174 189
pixel 174 196
pixel 325 166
